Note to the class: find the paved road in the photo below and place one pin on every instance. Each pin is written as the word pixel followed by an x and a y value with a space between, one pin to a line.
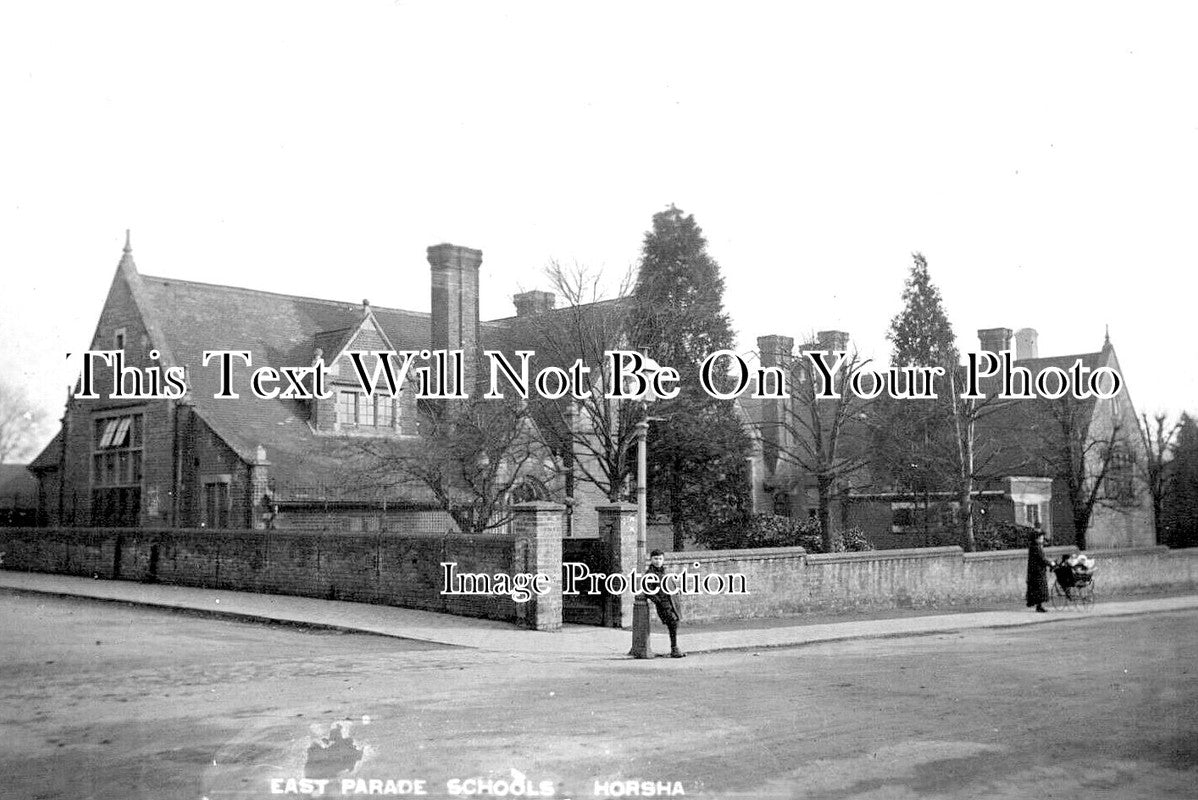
pixel 172 706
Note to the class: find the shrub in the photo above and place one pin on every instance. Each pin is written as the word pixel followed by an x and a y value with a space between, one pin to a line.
pixel 854 540
pixel 767 530
pixel 988 535
pixel 750 530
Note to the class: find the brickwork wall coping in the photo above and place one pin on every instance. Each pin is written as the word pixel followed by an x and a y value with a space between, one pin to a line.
pixel 369 567
pixel 539 506
pixel 749 554
pixel 622 508
pixel 267 533
pixel 886 555
pixel 403 570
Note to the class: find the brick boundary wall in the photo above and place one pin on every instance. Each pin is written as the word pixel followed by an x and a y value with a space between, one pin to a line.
pixel 789 581
pixel 404 569
pixel 385 568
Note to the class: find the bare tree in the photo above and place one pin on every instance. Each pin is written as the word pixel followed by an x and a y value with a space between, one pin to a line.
pixel 21 423
pixel 936 447
pixel 814 431
pixel 474 458
pixel 1159 438
pixel 969 464
pixel 592 434
pixel 1082 456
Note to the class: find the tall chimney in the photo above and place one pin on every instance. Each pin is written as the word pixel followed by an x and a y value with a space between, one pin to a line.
pixel 832 341
pixel 529 303
pixel 995 340
pixel 1026 344
pixel 774 351
pixel 455 324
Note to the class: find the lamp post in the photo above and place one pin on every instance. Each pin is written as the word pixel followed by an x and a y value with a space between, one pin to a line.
pixel 640 603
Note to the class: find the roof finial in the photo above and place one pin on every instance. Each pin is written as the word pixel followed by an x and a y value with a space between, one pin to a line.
pixel 128 246
pixel 1106 341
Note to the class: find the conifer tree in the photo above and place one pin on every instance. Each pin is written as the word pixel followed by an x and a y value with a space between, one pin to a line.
pixel 921 333
pixel 1160 438
pixel 931 445
pixel 914 441
pixel 697 452
pixel 1180 510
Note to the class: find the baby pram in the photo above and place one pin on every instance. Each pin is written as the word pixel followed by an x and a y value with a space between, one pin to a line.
pixel 1074 584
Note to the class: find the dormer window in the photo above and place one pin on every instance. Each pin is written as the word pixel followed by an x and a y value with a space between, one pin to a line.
pixel 357 410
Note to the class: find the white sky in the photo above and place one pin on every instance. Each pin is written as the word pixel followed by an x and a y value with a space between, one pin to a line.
pixel 1044 157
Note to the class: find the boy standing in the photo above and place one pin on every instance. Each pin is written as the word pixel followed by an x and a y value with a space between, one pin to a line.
pixel 667 605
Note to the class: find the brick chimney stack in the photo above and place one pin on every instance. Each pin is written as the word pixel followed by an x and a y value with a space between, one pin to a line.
pixel 530 303
pixel 1026 344
pixel 832 341
pixel 774 351
pixel 995 340
pixel 455 324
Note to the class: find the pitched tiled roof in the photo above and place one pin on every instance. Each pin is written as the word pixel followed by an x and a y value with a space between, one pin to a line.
pixel 279 331
pixel 557 337
pixel 48 458
pixel 17 483
pixel 553 330
pixel 1013 437
pixel 283 331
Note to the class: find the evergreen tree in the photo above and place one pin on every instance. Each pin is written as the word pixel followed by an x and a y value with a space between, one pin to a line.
pixel 921 333
pixel 1160 438
pixel 697 450
pixel 915 443
pixel 680 294
pixel 1180 509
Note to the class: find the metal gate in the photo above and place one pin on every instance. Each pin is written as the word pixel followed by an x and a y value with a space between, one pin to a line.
pixel 582 608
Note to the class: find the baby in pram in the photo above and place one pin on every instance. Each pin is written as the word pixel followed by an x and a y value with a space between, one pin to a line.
pixel 1073 571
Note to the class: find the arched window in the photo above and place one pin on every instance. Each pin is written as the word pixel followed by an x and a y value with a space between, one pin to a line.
pixel 781 504
pixel 529 489
pixel 1119 481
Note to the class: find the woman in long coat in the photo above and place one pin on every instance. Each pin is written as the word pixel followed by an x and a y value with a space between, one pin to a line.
pixel 1037 578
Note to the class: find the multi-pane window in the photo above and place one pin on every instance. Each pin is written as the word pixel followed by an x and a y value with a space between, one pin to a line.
pixel 355 409
pixel 116 470
pixel 1033 515
pixel 347 408
pixel 116 456
pixel 910 517
pixel 1119 482
pixel 215 511
pixel 781 504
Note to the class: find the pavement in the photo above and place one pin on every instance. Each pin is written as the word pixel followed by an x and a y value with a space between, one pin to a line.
pixel 572 640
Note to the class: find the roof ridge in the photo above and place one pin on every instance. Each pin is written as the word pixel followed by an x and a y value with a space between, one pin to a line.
pixel 558 309
pixel 248 290
pixel 1055 358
